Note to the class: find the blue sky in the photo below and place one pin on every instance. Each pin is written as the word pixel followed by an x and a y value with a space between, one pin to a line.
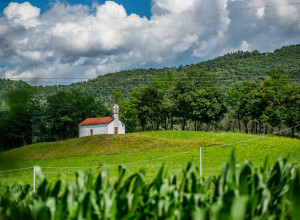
pixel 140 7
pixel 84 39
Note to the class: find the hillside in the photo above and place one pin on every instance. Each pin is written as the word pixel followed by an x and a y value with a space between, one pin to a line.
pixel 235 67
pixel 147 149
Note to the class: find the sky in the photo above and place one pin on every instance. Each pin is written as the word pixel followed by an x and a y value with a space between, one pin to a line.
pixel 45 42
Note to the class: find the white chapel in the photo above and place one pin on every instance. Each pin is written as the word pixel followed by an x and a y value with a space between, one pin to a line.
pixel 102 125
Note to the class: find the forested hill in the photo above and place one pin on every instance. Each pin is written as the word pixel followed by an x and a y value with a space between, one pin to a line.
pixel 228 68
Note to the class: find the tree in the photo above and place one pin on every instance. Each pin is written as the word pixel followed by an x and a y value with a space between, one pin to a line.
pixel 233 98
pixel 243 99
pixel 129 115
pixel 185 90
pixel 148 103
pixel 166 85
pixel 274 89
pixel 18 123
pixel 292 105
pixel 209 105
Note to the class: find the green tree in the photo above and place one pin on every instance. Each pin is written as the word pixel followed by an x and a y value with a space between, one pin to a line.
pixel 18 123
pixel 292 106
pixel 166 85
pixel 274 90
pixel 234 98
pixel 128 114
pixel 244 101
pixel 148 103
pixel 209 105
pixel 185 90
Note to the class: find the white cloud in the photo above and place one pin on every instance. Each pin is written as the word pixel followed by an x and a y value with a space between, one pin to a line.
pixel 245 46
pixel 80 41
pixel 261 12
pixel 22 14
pixel 173 6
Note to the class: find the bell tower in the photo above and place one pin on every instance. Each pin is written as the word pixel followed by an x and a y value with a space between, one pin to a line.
pixel 115 111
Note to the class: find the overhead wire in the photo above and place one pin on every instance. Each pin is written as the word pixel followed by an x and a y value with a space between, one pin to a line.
pixel 168 13
pixel 147 28
pixel 100 77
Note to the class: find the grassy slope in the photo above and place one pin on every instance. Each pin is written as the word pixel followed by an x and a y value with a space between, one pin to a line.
pixel 142 150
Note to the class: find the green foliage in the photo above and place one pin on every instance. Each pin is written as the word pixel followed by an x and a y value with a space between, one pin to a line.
pixel 5 86
pixel 209 105
pixel 292 103
pixel 128 115
pixel 117 96
pixel 17 122
pixel 266 103
pixel 65 110
pixel 29 120
pixel 238 192
pixel 148 103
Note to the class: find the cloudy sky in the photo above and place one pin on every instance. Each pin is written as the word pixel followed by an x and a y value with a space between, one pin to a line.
pixel 75 40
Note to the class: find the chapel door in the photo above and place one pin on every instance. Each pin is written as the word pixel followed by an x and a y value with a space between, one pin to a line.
pixel 116 130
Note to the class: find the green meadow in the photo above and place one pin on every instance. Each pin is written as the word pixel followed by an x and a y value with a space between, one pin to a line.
pixel 144 150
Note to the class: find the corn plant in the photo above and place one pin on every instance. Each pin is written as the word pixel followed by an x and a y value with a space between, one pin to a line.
pixel 238 192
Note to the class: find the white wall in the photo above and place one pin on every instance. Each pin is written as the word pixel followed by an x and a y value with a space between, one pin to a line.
pixel 85 130
pixel 116 123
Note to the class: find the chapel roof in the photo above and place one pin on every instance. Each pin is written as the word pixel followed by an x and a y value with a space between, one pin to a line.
pixel 96 121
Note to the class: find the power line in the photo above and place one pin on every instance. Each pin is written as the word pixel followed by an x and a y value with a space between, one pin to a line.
pixel 182 87
pixel 131 83
pixel 163 81
pixel 101 77
pixel 151 27
pixel 184 80
pixel 181 13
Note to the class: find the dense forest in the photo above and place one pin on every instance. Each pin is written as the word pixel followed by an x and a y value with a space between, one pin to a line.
pixel 194 97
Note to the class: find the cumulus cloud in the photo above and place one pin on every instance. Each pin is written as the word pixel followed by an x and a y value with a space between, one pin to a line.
pixel 22 14
pixel 77 41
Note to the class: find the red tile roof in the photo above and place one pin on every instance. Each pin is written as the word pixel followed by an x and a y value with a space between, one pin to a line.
pixel 96 121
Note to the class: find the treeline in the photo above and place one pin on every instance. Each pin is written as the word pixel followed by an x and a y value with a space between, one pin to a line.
pixel 196 102
pixel 186 101
pixel 30 120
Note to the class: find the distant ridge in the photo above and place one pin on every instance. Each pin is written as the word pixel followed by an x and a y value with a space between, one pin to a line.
pixel 229 69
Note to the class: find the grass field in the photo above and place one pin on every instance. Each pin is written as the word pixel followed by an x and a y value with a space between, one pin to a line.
pixel 143 150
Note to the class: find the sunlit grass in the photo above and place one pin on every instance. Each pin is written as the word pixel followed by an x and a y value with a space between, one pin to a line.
pixel 143 150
